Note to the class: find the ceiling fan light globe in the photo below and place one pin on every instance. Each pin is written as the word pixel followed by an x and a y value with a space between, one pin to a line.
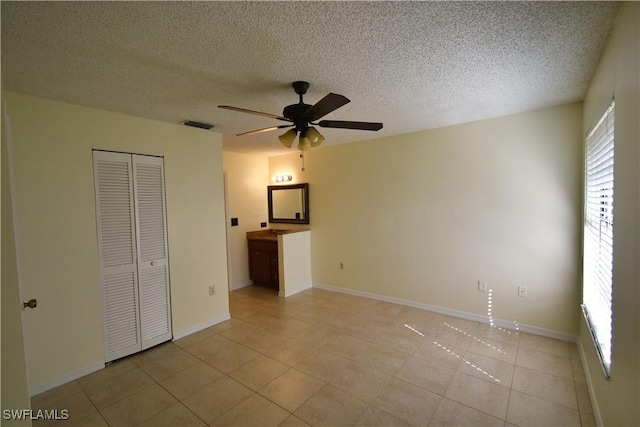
pixel 304 144
pixel 314 137
pixel 315 143
pixel 287 138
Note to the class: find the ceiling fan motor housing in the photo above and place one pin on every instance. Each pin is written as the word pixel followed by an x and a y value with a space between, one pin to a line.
pixel 300 87
pixel 295 113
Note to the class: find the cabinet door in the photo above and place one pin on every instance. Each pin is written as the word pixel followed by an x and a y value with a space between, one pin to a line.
pixel 259 266
pixel 275 278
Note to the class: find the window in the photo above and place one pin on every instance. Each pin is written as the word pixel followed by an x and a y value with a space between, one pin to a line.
pixel 598 235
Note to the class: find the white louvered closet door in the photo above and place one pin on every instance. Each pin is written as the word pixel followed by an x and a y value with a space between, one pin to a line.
pixel 153 268
pixel 133 252
pixel 117 253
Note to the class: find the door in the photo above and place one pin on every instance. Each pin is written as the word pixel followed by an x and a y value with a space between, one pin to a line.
pixel 153 266
pixel 259 266
pixel 117 249
pixel 133 252
pixel 15 384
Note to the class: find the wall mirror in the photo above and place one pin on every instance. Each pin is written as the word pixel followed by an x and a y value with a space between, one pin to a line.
pixel 289 203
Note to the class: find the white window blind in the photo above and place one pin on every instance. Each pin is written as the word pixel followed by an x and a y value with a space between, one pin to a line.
pixel 598 235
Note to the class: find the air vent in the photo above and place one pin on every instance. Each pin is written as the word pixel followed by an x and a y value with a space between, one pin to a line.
pixel 197 124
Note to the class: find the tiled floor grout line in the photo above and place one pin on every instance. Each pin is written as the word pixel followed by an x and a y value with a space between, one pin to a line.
pixel 276 403
pixel 94 405
pixel 254 392
pixel 179 401
pixel 294 368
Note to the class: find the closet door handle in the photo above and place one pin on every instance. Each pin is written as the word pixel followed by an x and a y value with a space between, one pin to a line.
pixel 32 303
pixel 153 263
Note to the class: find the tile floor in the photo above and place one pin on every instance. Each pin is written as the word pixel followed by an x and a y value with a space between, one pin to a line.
pixel 321 358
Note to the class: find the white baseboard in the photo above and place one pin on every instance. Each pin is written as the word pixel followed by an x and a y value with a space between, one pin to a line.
pixel 587 374
pixel 200 326
pixel 236 286
pixel 41 388
pixel 286 294
pixel 56 382
pixel 454 313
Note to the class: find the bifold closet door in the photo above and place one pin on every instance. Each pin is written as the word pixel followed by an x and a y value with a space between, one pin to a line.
pixel 132 251
pixel 117 253
pixel 153 266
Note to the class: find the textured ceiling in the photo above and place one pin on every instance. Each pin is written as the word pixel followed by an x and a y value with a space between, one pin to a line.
pixel 410 65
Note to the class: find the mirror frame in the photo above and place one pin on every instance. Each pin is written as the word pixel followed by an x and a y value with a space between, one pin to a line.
pixel 305 203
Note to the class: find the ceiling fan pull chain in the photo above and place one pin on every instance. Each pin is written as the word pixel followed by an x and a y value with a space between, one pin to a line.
pixel 302 157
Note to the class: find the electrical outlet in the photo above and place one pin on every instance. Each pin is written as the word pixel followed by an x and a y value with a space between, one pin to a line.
pixel 482 286
pixel 522 291
pixel 212 290
pixel 341 265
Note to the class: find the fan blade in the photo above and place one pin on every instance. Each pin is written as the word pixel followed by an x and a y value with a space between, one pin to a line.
pixel 326 105
pixel 340 124
pixel 259 113
pixel 269 129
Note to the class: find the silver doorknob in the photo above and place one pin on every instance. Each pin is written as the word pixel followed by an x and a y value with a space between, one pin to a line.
pixel 32 303
pixel 153 263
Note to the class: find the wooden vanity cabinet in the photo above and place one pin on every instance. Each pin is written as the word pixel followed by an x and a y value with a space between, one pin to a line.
pixel 263 263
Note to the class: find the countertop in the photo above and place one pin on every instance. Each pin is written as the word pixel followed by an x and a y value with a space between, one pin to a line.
pixel 271 234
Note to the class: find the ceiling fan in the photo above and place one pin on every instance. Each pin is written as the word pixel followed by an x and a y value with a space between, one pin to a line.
pixel 300 116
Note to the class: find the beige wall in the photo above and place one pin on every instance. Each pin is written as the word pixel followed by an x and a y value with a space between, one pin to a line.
pixel 617 400
pixel 56 226
pixel 423 216
pixel 15 391
pixel 247 180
